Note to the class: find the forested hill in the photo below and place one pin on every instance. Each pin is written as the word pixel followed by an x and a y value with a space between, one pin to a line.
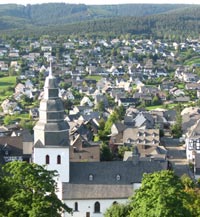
pixel 60 18
pixel 15 16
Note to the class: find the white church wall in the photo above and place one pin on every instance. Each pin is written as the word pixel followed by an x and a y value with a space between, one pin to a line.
pixel 87 207
pixel 39 157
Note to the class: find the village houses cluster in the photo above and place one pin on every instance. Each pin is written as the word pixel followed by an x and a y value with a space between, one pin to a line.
pixel 126 69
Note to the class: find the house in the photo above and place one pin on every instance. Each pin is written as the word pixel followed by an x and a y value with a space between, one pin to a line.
pixel 116 138
pixel 18 146
pixel 182 99
pixel 192 141
pixel 86 101
pixel 128 101
pixel 10 107
pixel 133 136
pixel 190 115
pixel 19 88
pixel 89 188
pixel 147 152
pixel 34 113
pixel 144 120
pixel 81 150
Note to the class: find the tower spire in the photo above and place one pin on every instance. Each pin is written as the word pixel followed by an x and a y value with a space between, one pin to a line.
pixel 50 68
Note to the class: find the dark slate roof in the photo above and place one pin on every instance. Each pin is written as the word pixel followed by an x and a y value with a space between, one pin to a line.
pixel 105 172
pixel 105 184
pixel 77 191
pixel 13 144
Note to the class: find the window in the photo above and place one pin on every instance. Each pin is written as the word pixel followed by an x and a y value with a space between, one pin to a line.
pixel 91 177
pixel 118 177
pixel 97 207
pixel 76 206
pixel 58 159
pixel 191 145
pixel 47 159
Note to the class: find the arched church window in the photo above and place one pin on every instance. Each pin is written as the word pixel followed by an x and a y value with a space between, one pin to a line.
pixel 47 159
pixel 76 206
pixel 58 159
pixel 97 207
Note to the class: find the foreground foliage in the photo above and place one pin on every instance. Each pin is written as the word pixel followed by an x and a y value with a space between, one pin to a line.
pixel 28 190
pixel 162 194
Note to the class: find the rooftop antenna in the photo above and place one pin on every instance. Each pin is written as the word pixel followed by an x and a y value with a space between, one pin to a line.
pixel 50 69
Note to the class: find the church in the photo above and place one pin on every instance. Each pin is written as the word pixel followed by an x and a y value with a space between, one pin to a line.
pixel 89 188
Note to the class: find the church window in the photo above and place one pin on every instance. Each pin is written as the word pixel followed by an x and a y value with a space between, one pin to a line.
pixel 91 177
pixel 97 207
pixel 58 159
pixel 76 206
pixel 47 159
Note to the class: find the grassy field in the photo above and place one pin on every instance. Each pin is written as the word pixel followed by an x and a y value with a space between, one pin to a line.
pixel 6 86
pixel 168 106
pixel 195 60
pixel 94 77
pixel 7 82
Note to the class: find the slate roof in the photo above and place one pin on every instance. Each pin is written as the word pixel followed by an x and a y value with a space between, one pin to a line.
pixel 76 191
pixel 144 119
pixel 141 136
pixel 14 144
pixel 104 173
pixel 105 184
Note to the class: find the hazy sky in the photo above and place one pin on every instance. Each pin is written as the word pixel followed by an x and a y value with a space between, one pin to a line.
pixel 92 2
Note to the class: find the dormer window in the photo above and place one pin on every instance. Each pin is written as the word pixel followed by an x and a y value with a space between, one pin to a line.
pixel 118 177
pixel 128 140
pixel 91 177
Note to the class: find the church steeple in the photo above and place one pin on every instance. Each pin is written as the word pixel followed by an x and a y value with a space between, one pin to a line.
pixel 51 129
pixel 51 132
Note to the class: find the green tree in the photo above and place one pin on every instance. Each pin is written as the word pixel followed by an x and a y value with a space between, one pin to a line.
pixel 161 195
pixel 156 100
pixel 176 129
pixel 105 153
pixel 122 149
pixel 29 191
pixel 118 210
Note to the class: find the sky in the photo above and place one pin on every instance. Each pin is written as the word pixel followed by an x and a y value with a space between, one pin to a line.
pixel 101 2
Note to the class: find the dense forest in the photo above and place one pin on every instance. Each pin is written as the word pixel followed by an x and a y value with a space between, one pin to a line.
pixel 60 18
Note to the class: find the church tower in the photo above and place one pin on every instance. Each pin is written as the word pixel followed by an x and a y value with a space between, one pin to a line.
pixel 51 132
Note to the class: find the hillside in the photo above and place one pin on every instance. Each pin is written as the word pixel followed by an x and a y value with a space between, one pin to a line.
pixel 61 18
pixel 15 16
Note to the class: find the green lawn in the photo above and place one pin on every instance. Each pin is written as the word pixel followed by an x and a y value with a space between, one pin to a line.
pixel 195 60
pixel 6 86
pixel 94 77
pixel 168 106
pixel 181 86
pixel 7 82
